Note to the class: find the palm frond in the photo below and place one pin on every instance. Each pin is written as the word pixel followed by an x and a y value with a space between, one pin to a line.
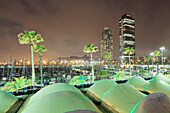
pixel 129 51
pixel 90 48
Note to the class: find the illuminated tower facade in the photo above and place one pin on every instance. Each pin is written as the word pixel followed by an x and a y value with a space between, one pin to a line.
pixel 106 43
pixel 126 35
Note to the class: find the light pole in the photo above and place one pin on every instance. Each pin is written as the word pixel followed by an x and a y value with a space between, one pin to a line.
pixel 151 54
pixel 162 49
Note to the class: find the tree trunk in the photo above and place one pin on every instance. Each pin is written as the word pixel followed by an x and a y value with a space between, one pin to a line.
pixel 92 68
pixel 108 68
pixel 33 70
pixel 41 68
pixel 148 68
pixel 157 68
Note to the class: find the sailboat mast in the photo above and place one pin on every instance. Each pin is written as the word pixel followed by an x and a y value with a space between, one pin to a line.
pixel 8 67
pixel 4 70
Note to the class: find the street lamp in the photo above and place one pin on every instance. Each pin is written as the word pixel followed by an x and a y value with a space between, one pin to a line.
pixel 162 49
pixel 152 53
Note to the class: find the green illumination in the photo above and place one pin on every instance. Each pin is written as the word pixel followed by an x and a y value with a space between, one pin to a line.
pixel 101 86
pixel 107 91
pixel 149 83
pixel 137 105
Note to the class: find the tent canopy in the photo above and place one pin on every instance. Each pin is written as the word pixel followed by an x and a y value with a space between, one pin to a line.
pixel 53 88
pixel 6 101
pixel 163 78
pixel 101 86
pixel 154 103
pixel 61 102
pixel 157 85
pixel 138 82
pixel 122 97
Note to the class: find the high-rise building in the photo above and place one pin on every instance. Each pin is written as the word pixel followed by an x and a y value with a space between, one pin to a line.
pixel 106 43
pixel 126 35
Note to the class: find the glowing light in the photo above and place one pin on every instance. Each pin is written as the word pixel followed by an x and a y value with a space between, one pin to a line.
pixel 152 54
pixel 137 105
pixel 128 15
pixel 162 48
pixel 44 62
pixel 27 62
pixel 4 78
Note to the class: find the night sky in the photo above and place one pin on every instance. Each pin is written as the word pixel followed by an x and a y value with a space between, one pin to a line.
pixel 68 25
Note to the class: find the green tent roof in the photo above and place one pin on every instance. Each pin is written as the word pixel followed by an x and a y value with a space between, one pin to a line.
pixel 53 88
pixel 138 82
pixel 163 78
pixel 122 97
pixel 6 101
pixel 157 85
pixel 61 102
pixel 154 103
pixel 81 111
pixel 101 86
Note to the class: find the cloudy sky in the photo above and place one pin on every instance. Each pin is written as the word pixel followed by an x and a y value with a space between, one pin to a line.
pixel 68 25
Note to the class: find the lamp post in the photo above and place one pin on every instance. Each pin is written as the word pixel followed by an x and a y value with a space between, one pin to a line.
pixel 162 49
pixel 151 54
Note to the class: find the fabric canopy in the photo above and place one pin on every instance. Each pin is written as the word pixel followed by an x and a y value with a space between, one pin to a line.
pixel 157 85
pixel 61 102
pixel 6 101
pixel 138 82
pixel 100 87
pixel 163 78
pixel 53 88
pixel 154 103
pixel 122 98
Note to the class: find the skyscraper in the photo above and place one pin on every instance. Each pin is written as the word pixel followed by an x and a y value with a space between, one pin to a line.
pixel 106 42
pixel 126 35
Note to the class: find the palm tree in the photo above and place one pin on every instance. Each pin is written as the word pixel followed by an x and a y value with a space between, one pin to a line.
pixel 107 56
pixel 32 38
pixel 78 79
pixel 129 51
pixel 119 75
pixel 148 58
pixel 19 83
pixel 156 55
pixel 91 49
pixel 40 48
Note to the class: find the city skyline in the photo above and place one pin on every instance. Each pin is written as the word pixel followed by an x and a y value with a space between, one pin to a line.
pixel 67 26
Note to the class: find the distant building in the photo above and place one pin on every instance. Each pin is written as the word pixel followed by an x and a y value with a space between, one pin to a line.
pixel 85 58
pixel 74 60
pixel 106 42
pixel 63 60
pixel 126 35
